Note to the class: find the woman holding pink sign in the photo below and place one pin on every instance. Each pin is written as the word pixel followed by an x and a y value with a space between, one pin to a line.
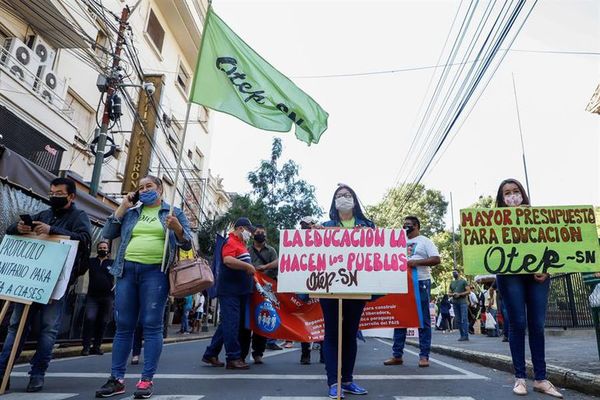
pixel 525 297
pixel 345 212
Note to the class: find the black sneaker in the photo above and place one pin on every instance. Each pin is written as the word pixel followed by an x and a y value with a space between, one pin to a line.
pixel 97 351
pixel 112 387
pixel 143 389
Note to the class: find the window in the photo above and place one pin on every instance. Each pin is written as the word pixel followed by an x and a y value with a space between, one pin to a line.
pixel 83 115
pixel 183 78
pixel 155 31
pixel 100 44
pixel 198 159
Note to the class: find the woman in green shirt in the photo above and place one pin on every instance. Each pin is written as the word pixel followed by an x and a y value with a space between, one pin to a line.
pixel 142 287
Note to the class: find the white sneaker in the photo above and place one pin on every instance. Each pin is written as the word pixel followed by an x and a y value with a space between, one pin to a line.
pixel 547 387
pixel 520 387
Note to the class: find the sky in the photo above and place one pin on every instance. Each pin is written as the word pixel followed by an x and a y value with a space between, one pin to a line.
pixel 373 118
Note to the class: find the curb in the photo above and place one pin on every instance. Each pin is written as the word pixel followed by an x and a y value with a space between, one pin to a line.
pixel 583 382
pixel 74 351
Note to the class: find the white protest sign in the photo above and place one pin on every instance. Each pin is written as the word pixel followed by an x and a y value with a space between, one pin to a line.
pixel 65 275
pixel 343 261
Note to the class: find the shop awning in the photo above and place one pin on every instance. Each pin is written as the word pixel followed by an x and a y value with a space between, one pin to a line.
pixel 27 176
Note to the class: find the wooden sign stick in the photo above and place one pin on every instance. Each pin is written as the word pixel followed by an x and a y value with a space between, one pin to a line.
pixel 16 343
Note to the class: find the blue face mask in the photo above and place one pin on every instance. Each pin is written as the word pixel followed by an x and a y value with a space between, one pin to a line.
pixel 148 198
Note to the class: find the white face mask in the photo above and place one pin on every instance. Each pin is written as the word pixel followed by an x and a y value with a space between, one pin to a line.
pixel 513 200
pixel 246 235
pixel 344 204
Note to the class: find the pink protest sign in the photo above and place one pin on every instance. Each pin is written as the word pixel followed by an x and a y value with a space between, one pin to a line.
pixel 343 261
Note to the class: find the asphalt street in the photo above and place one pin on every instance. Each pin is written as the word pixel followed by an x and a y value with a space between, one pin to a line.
pixel 182 376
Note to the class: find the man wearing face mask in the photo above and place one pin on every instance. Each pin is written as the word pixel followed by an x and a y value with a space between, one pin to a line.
pixel 62 218
pixel 99 300
pixel 422 255
pixel 233 289
pixel 459 290
pixel 264 259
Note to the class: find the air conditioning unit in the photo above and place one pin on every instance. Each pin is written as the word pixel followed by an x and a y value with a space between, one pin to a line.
pixel 21 61
pixel 44 51
pixel 49 86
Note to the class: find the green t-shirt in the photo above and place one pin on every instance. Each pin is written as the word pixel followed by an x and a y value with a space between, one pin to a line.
pixel 147 239
pixel 459 286
pixel 348 223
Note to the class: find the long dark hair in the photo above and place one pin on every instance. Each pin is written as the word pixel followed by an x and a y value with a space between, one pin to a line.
pixel 500 196
pixel 358 213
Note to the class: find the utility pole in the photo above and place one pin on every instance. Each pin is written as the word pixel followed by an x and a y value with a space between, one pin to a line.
pixel 521 133
pixel 453 239
pixel 112 84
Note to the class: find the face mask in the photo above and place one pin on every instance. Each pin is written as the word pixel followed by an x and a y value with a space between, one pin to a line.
pixel 102 253
pixel 408 229
pixel 344 204
pixel 58 202
pixel 246 235
pixel 513 200
pixel 260 238
pixel 148 198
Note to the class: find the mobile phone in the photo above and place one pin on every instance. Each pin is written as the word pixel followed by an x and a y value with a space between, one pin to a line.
pixel 136 197
pixel 26 218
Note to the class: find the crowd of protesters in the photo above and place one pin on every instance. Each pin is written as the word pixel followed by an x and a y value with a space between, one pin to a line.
pixel 135 285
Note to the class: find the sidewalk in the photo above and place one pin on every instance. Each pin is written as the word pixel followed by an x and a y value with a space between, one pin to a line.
pixel 571 355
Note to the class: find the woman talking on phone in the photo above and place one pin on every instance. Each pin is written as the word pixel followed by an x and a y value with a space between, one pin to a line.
pixel 525 297
pixel 142 287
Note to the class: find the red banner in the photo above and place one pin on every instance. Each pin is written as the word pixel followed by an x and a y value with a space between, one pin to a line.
pixel 293 317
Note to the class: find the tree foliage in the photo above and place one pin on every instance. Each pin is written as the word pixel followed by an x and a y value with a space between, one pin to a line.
pixel 428 205
pixel 279 198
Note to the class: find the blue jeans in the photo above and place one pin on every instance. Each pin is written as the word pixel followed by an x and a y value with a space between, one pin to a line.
pixel 50 316
pixel 525 300
pixel 461 313
pixel 351 311
pixel 141 293
pixel 231 330
pixel 424 333
pixel 185 319
pixel 495 315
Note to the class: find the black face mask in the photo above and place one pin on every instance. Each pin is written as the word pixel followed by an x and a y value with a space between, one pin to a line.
pixel 408 229
pixel 58 202
pixel 260 238
pixel 102 253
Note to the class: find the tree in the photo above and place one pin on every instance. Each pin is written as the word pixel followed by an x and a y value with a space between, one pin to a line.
pixel 483 202
pixel 286 198
pixel 426 204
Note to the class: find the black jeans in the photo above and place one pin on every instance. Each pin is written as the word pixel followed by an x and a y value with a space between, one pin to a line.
pixel 97 315
pixel 259 344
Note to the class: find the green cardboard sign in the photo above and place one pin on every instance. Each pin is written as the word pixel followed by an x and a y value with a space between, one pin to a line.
pixel 30 268
pixel 525 240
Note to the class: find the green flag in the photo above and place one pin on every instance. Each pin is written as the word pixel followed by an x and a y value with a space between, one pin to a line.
pixel 232 78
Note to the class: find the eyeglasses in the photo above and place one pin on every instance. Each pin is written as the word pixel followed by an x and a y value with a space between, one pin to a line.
pixel 346 195
pixel 57 194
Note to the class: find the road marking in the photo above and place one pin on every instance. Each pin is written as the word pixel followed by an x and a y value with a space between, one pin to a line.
pixel 293 398
pixel 443 364
pixel 226 376
pixel 433 398
pixel 38 396
pixel 280 352
pixel 169 397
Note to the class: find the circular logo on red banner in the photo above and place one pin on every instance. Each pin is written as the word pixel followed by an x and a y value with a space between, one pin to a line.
pixel 266 317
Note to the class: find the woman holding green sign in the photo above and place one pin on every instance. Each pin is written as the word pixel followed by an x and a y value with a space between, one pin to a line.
pixel 142 287
pixel 525 297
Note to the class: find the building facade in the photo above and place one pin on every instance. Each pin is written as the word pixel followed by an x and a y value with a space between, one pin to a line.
pixel 53 59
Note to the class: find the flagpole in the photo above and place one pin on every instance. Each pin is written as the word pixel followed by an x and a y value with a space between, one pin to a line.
pixel 183 136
